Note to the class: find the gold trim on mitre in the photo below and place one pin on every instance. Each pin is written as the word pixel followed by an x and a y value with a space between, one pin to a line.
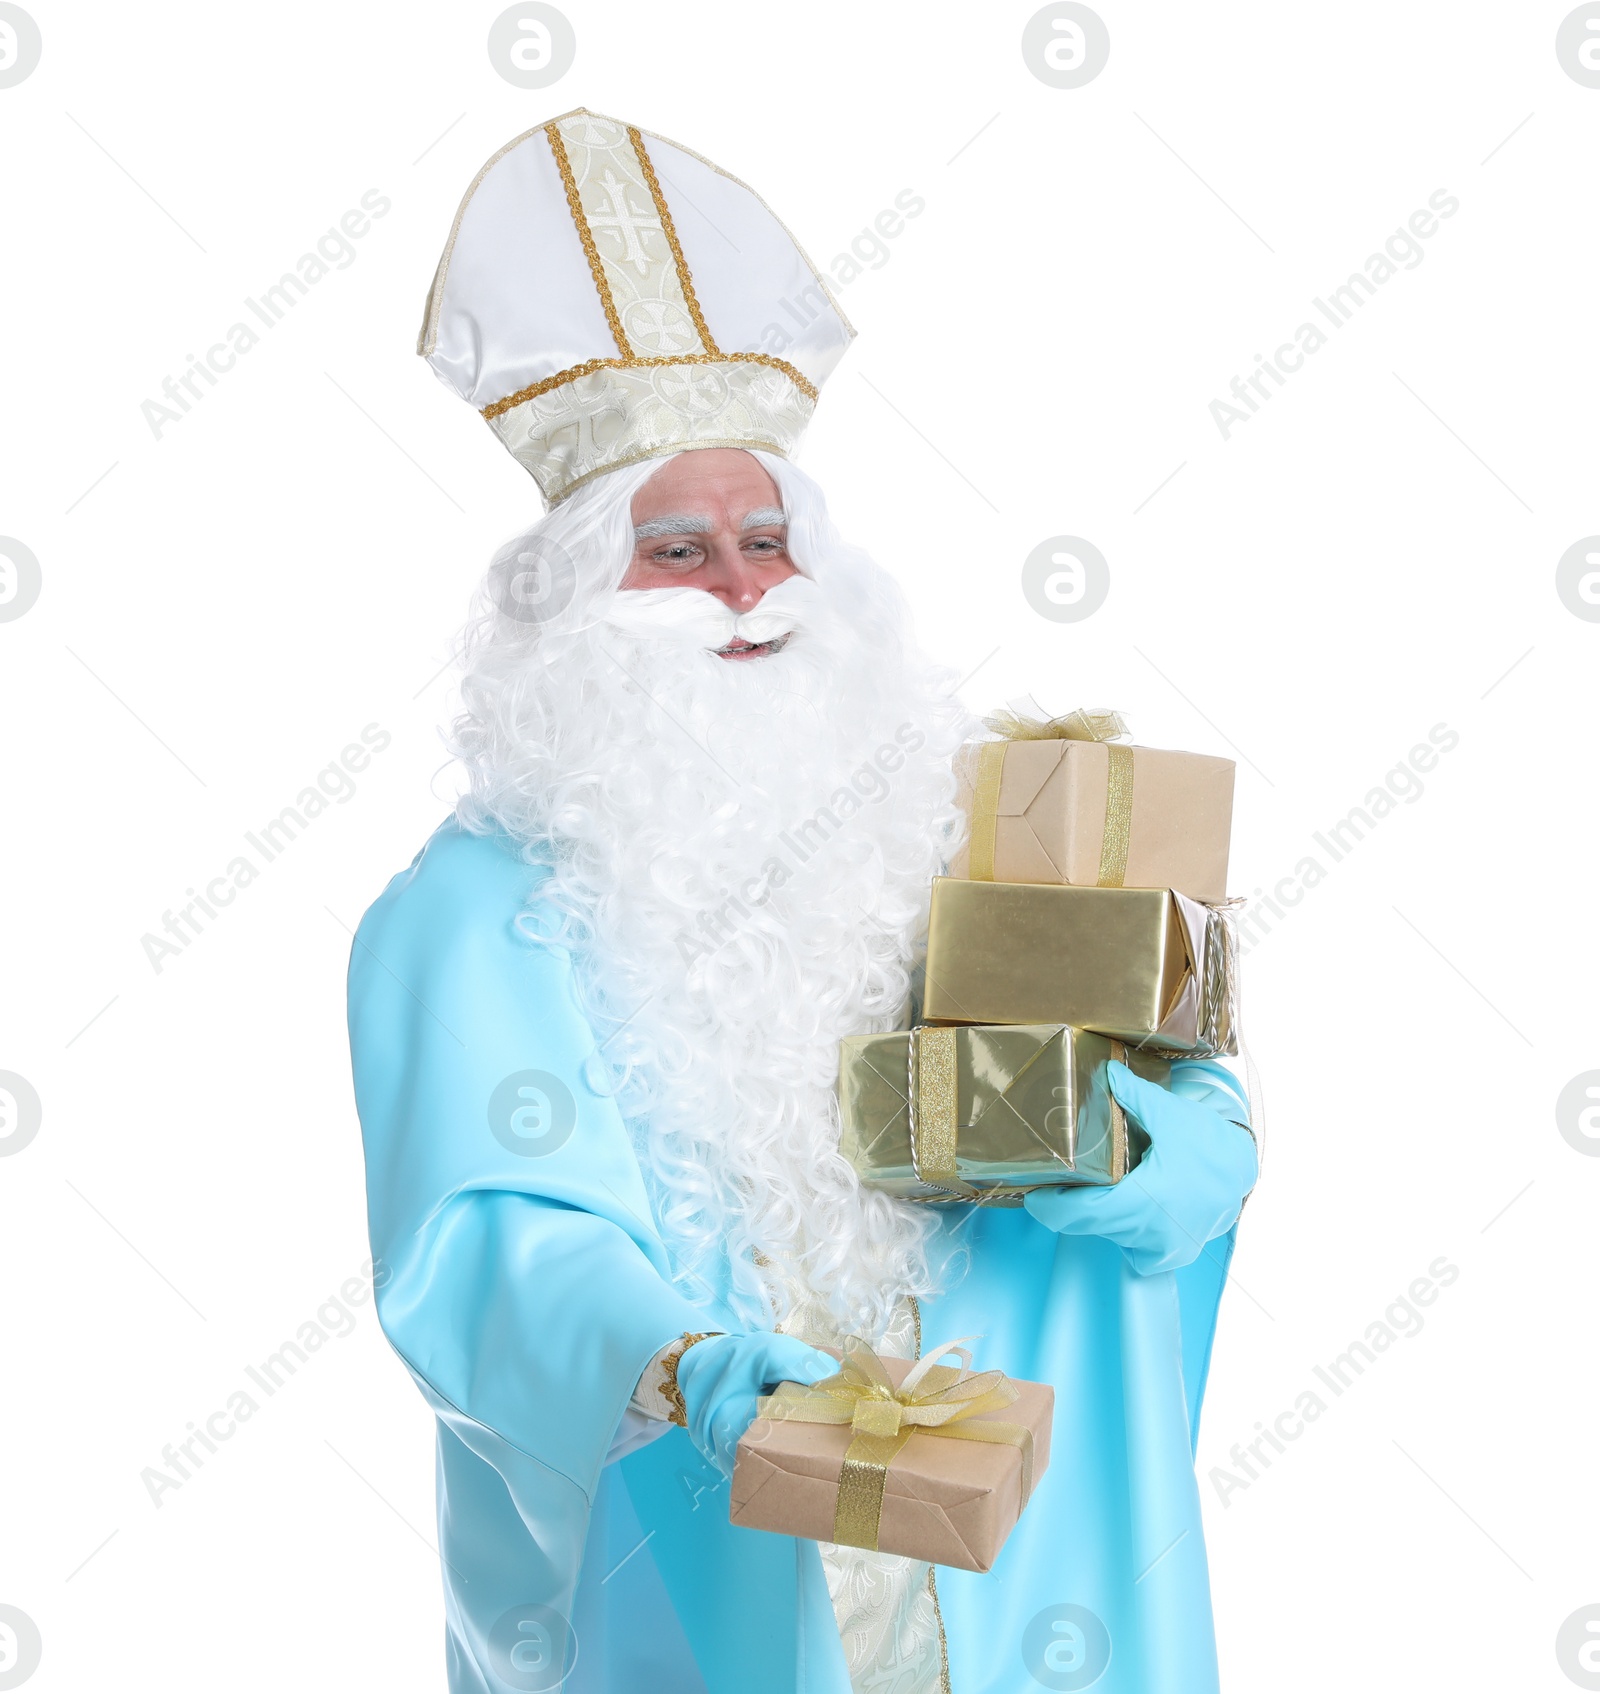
pixel 620 413
pixel 561 378
pixel 670 231
pixel 670 385
pixel 597 267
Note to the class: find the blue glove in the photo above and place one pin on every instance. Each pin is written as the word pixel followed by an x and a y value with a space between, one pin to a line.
pixel 1185 1191
pixel 721 1378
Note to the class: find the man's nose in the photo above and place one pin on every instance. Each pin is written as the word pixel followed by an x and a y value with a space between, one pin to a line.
pixel 739 582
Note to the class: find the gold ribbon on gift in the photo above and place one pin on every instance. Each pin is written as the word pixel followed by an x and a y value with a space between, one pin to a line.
pixel 1219 1027
pixel 932 1104
pixel 931 1110
pixel 933 1399
pixel 1083 723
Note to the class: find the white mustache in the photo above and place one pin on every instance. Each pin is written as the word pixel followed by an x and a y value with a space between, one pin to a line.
pixel 698 619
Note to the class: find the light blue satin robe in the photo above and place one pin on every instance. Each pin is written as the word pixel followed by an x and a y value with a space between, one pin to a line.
pixel 527 1294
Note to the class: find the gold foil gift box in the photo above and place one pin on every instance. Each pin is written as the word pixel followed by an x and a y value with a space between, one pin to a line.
pixel 1063 800
pixel 1146 965
pixel 926 1460
pixel 986 1113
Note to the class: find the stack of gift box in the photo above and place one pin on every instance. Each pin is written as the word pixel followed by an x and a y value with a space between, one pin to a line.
pixel 1082 923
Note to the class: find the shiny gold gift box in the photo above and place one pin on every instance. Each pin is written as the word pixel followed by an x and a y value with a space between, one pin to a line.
pixel 1146 965
pixel 1096 814
pixel 986 1113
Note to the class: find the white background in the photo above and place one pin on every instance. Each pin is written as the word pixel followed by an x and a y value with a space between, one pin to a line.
pixel 225 607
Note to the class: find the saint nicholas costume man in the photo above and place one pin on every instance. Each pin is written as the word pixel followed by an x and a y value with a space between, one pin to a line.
pixel 595 1028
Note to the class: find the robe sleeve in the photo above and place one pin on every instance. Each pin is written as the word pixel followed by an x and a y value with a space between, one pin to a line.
pixel 524 1285
pixel 1201 1283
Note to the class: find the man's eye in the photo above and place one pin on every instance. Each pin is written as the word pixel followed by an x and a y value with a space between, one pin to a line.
pixel 766 544
pixel 677 555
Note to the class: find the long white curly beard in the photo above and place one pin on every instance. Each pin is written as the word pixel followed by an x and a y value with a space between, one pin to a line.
pixel 742 854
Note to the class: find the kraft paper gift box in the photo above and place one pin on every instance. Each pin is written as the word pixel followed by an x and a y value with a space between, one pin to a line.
pixel 1146 965
pixel 1094 813
pixel 950 1499
pixel 986 1113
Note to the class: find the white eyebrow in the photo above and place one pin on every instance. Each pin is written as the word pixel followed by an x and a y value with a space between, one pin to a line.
pixel 675 524
pixel 763 517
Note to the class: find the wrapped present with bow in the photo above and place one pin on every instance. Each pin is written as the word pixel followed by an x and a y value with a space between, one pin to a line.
pixel 986 1113
pixel 1067 800
pixel 1149 966
pixel 929 1460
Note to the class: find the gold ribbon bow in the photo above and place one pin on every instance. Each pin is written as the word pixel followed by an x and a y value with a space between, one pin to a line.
pixel 933 1399
pixel 1082 723
pixel 1022 721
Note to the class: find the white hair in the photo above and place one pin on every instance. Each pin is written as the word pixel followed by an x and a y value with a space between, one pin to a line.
pixel 740 857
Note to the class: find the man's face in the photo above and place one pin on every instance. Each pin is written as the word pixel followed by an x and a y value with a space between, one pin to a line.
pixel 712 520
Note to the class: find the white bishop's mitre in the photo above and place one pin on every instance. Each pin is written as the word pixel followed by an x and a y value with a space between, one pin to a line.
pixel 607 296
